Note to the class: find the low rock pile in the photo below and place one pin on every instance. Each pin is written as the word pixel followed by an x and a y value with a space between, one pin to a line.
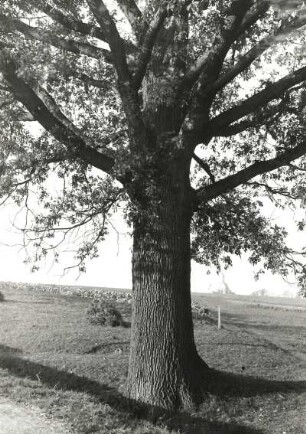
pixel 72 291
pixel 116 297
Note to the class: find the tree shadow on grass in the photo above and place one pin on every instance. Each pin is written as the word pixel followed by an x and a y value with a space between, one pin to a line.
pixel 224 384
pixel 182 422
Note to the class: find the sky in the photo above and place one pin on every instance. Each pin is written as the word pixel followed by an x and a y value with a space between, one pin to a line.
pixel 113 267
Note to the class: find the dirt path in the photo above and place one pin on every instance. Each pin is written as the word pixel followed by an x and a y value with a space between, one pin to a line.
pixel 18 419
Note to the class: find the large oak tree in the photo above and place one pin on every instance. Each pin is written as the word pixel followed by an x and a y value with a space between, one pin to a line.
pixel 188 112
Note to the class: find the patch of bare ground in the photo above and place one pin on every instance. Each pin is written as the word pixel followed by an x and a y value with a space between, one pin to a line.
pixel 19 419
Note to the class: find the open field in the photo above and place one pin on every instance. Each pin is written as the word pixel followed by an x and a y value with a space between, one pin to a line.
pixel 52 360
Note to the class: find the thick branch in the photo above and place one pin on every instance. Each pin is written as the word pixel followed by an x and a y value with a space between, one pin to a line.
pixel 50 117
pixel 70 22
pixel 128 95
pixel 147 47
pixel 13 25
pixel 134 16
pixel 257 51
pixel 53 108
pixel 87 79
pixel 262 118
pixel 205 167
pixel 260 99
pixel 243 176
pixel 113 38
pixel 238 128
pixel 209 65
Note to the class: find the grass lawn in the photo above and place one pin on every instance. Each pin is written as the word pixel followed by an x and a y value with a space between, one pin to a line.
pixel 53 359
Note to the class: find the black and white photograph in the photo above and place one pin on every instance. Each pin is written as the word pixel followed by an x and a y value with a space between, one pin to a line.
pixel 152 217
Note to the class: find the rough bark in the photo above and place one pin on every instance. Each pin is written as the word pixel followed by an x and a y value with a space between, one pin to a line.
pixel 165 369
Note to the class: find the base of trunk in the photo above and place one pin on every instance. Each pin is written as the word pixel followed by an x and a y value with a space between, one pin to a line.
pixel 184 389
pixel 192 390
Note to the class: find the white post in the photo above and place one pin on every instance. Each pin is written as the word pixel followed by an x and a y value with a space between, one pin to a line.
pixel 219 318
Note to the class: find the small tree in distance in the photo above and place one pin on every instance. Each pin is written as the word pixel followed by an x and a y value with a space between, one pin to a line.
pixel 179 110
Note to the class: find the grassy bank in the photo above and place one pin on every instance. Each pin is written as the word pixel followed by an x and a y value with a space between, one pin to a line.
pixel 52 358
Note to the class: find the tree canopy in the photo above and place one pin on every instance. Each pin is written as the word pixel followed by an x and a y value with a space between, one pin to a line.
pixel 99 83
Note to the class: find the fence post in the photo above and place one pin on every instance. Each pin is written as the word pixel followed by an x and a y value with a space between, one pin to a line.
pixel 219 318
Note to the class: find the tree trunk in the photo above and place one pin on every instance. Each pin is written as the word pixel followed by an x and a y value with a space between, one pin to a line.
pixel 165 369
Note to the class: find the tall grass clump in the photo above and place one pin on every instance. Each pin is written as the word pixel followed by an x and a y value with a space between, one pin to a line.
pixel 101 312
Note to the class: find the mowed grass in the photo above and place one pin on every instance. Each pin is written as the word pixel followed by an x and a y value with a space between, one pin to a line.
pixel 53 359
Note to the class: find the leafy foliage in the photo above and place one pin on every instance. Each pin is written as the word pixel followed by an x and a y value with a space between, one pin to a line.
pixel 99 100
pixel 234 225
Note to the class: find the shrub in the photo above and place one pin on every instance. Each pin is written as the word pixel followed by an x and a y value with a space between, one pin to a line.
pixel 200 312
pixel 1 297
pixel 104 313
